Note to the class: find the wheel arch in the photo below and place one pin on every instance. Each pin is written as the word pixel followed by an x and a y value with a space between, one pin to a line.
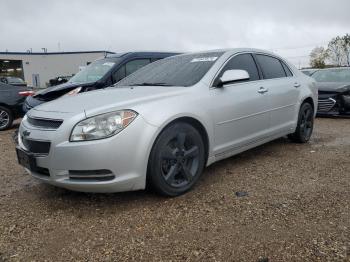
pixel 8 107
pixel 5 105
pixel 199 127
pixel 309 100
pixel 306 99
pixel 197 124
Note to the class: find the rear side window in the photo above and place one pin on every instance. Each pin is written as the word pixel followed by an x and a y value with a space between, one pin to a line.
pixel 286 69
pixel 271 67
pixel 242 62
pixel 134 65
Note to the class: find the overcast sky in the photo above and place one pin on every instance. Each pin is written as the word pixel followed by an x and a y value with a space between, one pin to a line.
pixel 289 28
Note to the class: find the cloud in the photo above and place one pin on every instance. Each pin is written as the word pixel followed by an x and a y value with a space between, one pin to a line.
pixel 174 25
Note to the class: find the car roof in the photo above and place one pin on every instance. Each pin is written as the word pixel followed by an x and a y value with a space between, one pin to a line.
pixel 141 54
pixel 233 51
pixel 238 50
pixel 335 68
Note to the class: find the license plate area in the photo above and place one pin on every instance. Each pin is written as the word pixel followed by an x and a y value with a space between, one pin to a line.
pixel 26 159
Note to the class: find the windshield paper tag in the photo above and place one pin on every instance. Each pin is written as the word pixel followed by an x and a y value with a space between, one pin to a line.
pixel 204 59
pixel 110 64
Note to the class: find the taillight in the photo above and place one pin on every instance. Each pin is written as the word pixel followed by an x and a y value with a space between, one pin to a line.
pixel 26 93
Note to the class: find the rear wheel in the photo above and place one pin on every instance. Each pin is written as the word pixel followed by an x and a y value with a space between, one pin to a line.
pixel 177 160
pixel 6 118
pixel 305 125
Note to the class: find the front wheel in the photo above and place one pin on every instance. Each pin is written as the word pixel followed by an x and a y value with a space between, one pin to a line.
pixel 6 118
pixel 305 124
pixel 177 160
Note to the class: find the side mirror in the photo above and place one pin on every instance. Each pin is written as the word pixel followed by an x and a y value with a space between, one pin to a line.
pixel 231 76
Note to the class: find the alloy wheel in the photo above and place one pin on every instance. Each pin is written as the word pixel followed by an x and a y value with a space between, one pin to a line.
pixel 4 118
pixel 180 160
pixel 306 123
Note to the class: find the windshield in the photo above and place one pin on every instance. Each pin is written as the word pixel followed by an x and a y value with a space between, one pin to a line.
pixel 332 75
pixel 15 80
pixel 93 72
pixel 181 70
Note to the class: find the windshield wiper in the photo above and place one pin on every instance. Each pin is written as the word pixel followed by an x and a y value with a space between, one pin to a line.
pixel 151 84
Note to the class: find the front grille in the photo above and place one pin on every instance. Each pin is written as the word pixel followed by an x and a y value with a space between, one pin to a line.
pixel 44 123
pixel 91 175
pixel 27 106
pixel 36 147
pixel 326 105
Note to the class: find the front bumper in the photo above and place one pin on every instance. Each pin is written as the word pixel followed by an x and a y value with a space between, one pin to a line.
pixel 333 105
pixel 115 164
pixel 30 103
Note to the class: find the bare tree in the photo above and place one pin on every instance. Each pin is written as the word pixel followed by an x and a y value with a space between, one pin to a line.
pixel 318 57
pixel 346 48
pixel 335 51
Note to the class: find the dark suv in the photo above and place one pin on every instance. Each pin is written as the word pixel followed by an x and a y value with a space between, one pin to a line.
pixel 99 74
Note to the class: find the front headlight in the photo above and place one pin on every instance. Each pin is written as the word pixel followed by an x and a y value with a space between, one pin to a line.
pixel 102 126
pixel 74 91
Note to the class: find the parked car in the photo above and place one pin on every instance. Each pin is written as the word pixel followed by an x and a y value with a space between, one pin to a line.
pixel 333 91
pixel 163 124
pixel 99 74
pixel 59 80
pixel 309 71
pixel 12 80
pixel 11 101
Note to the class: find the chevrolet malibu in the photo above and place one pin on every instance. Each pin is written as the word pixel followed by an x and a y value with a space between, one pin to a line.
pixel 162 125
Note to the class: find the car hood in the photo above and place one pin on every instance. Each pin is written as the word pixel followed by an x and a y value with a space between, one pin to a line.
pixel 333 86
pixel 106 100
pixel 65 86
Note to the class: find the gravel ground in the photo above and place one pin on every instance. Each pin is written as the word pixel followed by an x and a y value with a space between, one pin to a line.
pixel 296 208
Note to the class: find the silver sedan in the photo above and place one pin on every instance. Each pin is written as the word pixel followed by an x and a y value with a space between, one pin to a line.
pixel 162 125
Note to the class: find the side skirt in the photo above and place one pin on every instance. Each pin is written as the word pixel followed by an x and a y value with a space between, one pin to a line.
pixel 236 150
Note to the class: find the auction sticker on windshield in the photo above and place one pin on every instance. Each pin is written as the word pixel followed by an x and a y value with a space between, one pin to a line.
pixel 204 59
pixel 110 64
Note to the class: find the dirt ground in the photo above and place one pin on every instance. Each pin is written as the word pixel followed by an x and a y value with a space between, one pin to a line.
pixel 297 208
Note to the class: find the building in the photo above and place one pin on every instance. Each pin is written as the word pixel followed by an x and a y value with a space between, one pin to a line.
pixel 38 68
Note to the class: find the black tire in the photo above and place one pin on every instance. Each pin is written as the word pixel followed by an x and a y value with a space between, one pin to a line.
pixel 305 125
pixel 177 160
pixel 6 118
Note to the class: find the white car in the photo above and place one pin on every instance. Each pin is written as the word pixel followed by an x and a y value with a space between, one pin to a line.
pixel 163 124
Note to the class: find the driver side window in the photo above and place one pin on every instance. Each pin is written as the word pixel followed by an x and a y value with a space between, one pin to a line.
pixel 242 62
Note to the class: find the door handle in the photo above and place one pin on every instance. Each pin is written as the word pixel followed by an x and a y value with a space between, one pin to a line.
pixel 262 90
pixel 296 85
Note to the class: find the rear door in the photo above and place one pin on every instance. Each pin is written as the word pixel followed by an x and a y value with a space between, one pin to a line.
pixel 240 110
pixel 283 90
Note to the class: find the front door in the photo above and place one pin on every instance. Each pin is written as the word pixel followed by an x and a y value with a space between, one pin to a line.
pixel 240 110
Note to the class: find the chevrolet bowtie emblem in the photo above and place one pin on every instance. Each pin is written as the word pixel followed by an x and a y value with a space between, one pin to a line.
pixel 26 133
